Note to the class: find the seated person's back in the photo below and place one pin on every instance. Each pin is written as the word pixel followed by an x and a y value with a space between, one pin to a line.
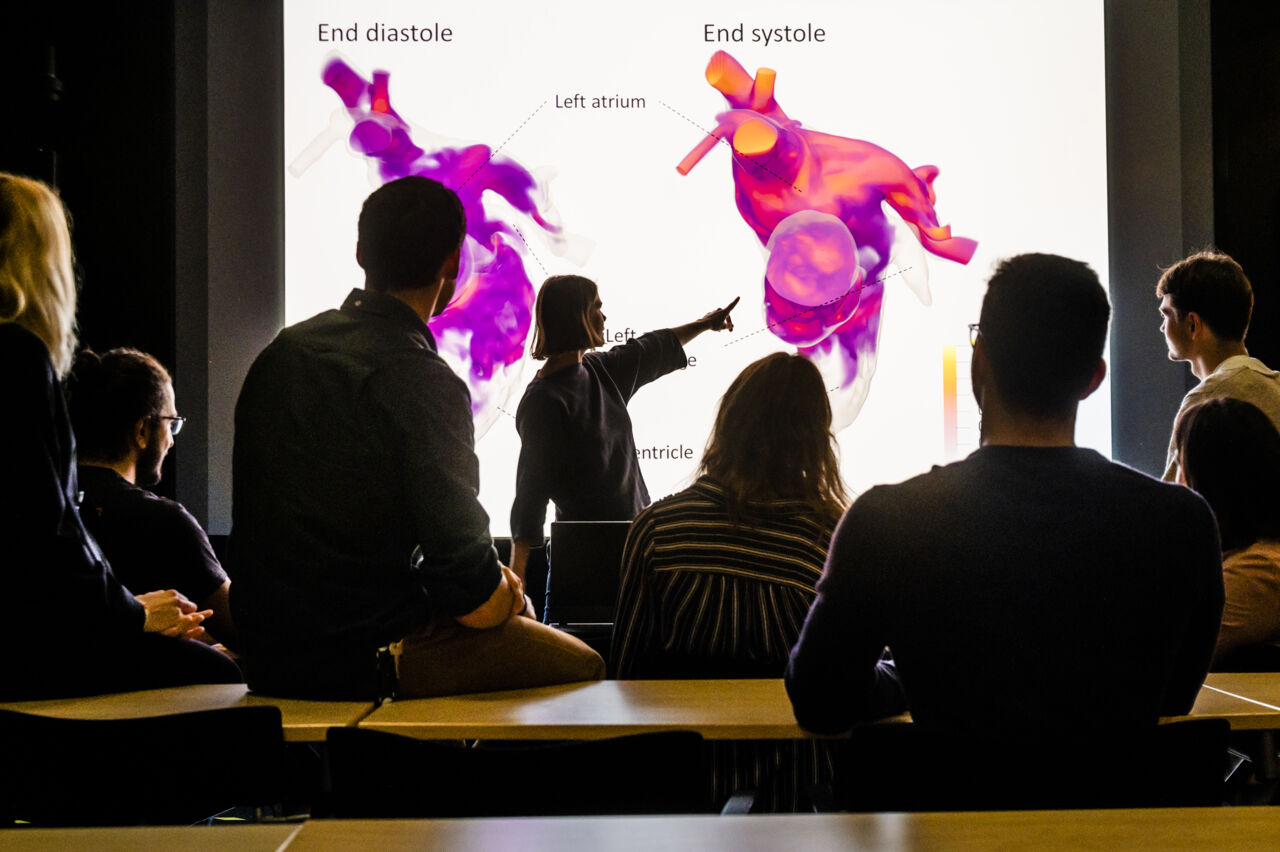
pixel 1034 587
pixel 355 521
pixel 717 579
pixel 1229 453
pixel 122 410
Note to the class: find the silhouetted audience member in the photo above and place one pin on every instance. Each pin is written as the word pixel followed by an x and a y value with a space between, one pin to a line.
pixel 1229 453
pixel 125 421
pixel 67 624
pixel 576 445
pixel 717 579
pixel 355 523
pixel 1206 303
pixel 1034 589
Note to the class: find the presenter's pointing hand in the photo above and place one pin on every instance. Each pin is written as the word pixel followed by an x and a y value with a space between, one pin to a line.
pixel 719 319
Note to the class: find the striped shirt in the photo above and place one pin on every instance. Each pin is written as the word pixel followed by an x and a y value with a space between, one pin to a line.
pixel 701 597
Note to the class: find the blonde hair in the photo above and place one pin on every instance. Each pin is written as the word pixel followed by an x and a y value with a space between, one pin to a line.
pixel 37 286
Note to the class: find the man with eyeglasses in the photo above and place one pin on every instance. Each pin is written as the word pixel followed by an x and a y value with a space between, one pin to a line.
pixel 125 421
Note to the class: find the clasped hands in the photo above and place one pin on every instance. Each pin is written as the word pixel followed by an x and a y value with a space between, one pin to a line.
pixel 171 614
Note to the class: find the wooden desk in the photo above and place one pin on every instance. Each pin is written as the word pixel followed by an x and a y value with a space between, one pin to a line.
pixel 1216 701
pixel 717 709
pixel 1259 688
pixel 213 838
pixel 304 721
pixel 1156 829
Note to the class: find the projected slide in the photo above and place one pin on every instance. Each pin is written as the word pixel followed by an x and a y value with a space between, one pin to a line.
pixel 649 149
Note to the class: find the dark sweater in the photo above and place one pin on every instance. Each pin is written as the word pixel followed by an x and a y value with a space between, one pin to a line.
pixel 152 542
pixel 576 445
pixel 58 587
pixel 1022 590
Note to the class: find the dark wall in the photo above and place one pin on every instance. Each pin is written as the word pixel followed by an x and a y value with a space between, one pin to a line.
pixel 1160 192
pixel 93 113
pixel 1246 162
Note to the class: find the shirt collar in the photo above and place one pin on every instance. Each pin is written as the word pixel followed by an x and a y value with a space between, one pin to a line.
pixel 360 301
pixel 1242 362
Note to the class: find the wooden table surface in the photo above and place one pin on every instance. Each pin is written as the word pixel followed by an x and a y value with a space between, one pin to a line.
pixel 304 721
pixel 1260 688
pixel 199 838
pixel 723 709
pixel 1156 829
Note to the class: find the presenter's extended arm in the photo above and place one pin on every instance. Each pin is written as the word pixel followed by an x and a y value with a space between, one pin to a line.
pixel 717 320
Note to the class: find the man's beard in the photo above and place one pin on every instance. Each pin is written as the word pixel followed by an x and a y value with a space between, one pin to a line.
pixel 148 469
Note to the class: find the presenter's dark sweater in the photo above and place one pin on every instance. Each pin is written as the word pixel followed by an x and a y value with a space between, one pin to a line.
pixel 1022 590
pixel 576 445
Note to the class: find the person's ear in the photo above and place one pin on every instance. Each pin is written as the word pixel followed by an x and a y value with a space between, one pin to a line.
pixel 452 264
pixel 1195 325
pixel 141 433
pixel 359 258
pixel 978 372
pixel 1099 373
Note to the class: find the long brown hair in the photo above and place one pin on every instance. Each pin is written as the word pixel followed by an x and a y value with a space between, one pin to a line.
pixel 772 439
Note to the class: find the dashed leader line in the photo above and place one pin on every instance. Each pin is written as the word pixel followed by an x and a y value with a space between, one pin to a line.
pixel 721 140
pixel 532 253
pixel 495 151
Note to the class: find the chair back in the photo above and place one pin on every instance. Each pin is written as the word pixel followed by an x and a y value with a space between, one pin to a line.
pixel 376 774
pixel 585 564
pixel 896 767
pixel 172 769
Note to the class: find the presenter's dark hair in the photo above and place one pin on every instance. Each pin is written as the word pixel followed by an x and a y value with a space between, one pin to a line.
pixel 408 228
pixel 1214 286
pixel 1229 452
pixel 1043 327
pixel 107 395
pixel 562 316
pixel 772 439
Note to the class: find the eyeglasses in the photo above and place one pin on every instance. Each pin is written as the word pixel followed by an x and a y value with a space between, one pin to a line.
pixel 175 422
pixel 974 333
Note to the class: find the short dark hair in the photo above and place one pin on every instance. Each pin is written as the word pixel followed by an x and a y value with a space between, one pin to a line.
pixel 562 316
pixel 1229 452
pixel 408 228
pixel 1043 327
pixel 755 455
pixel 108 394
pixel 1214 286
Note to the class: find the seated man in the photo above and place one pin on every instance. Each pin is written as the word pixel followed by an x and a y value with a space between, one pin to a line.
pixel 122 409
pixel 1206 302
pixel 355 523
pixel 1034 587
